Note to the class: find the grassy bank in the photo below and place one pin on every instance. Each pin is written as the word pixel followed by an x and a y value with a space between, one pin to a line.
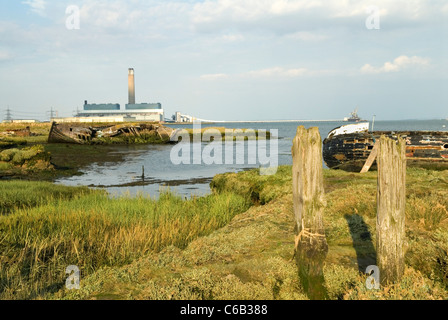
pixel 39 239
pixel 24 161
pixel 15 195
pixel 234 244
pixel 250 258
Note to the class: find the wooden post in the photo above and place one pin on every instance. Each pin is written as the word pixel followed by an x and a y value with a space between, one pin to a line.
pixel 308 201
pixel 391 201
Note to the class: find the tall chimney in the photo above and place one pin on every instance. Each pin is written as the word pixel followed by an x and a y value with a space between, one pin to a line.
pixel 131 85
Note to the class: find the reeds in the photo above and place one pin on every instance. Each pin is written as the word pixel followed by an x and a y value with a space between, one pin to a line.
pixel 18 194
pixel 42 236
pixel 92 231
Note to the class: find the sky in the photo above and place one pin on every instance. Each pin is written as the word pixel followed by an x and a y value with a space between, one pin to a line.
pixel 228 59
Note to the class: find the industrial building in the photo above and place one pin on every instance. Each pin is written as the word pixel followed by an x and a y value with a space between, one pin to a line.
pixel 20 121
pixel 112 112
pixel 132 112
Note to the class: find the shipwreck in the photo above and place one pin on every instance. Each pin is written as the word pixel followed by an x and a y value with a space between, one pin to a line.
pixel 145 133
pixel 348 147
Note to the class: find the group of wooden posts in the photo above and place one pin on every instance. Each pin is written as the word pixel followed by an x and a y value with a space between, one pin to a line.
pixel 309 205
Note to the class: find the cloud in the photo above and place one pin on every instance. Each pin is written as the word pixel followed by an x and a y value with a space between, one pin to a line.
pixel 137 16
pixel 233 37
pixel 249 10
pixel 4 55
pixel 305 36
pixel 216 76
pixel 268 73
pixel 277 72
pixel 400 63
pixel 296 15
pixel 37 6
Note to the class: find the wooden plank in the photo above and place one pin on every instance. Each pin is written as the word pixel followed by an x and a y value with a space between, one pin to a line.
pixel 371 158
pixel 391 203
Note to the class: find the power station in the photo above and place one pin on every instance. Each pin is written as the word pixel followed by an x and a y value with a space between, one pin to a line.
pixel 112 112
pixel 131 86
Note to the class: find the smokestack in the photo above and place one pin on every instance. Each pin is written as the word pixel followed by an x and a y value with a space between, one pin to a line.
pixel 131 85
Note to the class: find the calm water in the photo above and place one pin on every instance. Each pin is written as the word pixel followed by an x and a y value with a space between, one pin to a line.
pixel 194 179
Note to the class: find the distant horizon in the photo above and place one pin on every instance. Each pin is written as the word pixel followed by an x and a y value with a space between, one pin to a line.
pixel 272 120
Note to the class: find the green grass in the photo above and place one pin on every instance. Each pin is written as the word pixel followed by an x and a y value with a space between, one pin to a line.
pixel 20 156
pixel 250 258
pixel 25 195
pixel 25 162
pixel 217 247
pixel 10 142
pixel 144 138
pixel 260 189
pixel 93 231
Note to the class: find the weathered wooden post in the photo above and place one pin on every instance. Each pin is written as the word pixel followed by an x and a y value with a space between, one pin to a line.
pixel 391 201
pixel 308 200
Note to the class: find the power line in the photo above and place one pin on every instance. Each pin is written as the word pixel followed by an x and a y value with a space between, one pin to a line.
pixel 26 112
pixel 52 113
pixel 8 116
pixel 18 112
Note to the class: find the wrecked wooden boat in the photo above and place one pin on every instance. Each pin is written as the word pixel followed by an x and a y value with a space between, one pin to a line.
pixel 146 133
pixel 18 132
pixel 348 147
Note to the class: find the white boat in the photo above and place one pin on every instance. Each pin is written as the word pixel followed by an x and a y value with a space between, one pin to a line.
pixel 349 128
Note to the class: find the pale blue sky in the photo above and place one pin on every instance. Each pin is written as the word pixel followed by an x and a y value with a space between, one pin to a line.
pixel 228 59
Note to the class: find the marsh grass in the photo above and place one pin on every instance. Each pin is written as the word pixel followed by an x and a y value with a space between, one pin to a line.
pixel 40 132
pixel 92 231
pixel 217 248
pixel 18 194
pixel 10 142
pixel 19 156
pixel 144 138
pixel 261 189
pixel 429 211
pixel 350 222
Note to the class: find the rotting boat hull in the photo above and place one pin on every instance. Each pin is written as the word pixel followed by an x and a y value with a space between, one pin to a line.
pixel 350 151
pixel 69 133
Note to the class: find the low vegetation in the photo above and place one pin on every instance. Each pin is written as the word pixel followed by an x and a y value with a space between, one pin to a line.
pixel 143 138
pixel 27 159
pixel 9 142
pixel 251 257
pixel 15 195
pixel 234 244
pixel 40 239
